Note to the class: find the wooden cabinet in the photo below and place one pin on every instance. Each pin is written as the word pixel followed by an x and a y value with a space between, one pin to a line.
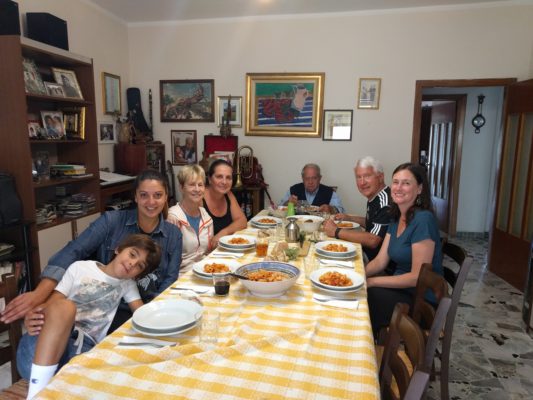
pixel 18 235
pixel 251 199
pixel 18 149
pixel 131 159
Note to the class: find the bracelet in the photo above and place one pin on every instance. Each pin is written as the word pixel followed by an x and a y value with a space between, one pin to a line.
pixel 337 233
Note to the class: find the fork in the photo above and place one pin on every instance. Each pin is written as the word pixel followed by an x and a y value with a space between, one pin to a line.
pixel 228 255
pixel 326 299
pixel 150 344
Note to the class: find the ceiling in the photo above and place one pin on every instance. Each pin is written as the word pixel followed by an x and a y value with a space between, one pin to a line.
pixel 138 11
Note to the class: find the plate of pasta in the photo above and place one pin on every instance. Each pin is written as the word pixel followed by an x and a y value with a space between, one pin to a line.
pixel 265 221
pixel 335 249
pixel 337 279
pixel 209 266
pixel 347 224
pixel 237 242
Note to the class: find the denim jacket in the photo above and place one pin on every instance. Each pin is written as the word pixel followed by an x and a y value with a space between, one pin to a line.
pixel 102 237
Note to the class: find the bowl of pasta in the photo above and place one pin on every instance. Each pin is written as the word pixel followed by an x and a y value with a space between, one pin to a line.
pixel 268 278
pixel 309 223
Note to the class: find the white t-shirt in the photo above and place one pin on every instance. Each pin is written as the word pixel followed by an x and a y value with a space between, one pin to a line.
pixel 96 295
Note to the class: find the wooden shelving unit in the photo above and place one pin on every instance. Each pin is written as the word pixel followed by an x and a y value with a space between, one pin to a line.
pixel 17 149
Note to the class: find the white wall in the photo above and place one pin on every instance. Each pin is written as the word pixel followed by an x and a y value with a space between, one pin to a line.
pixel 92 33
pixel 479 158
pixel 399 47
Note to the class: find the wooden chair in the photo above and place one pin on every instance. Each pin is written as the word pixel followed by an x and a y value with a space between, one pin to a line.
pixel 396 365
pixel 456 281
pixel 8 291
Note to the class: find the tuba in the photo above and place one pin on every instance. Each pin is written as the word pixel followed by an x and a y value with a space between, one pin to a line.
pixel 244 164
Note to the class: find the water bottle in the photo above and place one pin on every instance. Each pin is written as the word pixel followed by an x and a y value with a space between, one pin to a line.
pixel 290 210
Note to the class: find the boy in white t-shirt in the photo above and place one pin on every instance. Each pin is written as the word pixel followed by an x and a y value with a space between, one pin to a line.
pixel 78 313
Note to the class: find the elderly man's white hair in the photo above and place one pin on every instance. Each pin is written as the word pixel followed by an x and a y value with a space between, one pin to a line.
pixel 370 162
pixel 313 166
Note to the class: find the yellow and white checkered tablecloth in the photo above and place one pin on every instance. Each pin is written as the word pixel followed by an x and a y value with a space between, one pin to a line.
pixel 284 348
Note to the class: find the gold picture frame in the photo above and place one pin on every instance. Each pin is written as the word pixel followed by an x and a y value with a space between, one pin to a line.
pixel 369 93
pixel 111 92
pixel 284 104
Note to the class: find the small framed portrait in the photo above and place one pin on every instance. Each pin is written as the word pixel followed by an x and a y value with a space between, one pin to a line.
pixel 34 129
pixel 106 133
pixel 53 124
pixel 234 112
pixel 369 92
pixel 68 80
pixel 184 147
pixel 32 79
pixel 111 93
pixel 337 125
pixel 54 89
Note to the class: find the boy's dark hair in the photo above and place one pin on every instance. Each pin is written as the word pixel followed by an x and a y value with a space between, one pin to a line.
pixel 143 242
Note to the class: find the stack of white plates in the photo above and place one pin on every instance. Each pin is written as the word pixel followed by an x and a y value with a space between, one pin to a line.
pixel 198 268
pixel 225 243
pixel 336 255
pixel 166 317
pixel 358 281
pixel 265 222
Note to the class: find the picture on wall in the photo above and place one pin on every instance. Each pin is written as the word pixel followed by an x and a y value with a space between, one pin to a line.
pixel 337 125
pixel 111 93
pixel 184 147
pixel 187 100
pixel 236 110
pixel 284 104
pixel 106 134
pixel 369 91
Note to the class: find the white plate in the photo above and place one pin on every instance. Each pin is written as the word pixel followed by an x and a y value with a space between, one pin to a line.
pixel 320 248
pixel 234 249
pixel 225 242
pixel 198 268
pixel 336 293
pixel 338 257
pixel 353 225
pixel 257 221
pixel 149 332
pixel 357 279
pixel 167 315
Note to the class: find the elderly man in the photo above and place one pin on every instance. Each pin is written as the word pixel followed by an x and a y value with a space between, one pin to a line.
pixel 314 192
pixel 371 184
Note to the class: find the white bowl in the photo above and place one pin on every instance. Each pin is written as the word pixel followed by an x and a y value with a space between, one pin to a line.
pixel 309 223
pixel 269 289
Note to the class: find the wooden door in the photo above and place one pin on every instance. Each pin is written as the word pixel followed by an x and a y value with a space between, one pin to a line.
pixel 513 220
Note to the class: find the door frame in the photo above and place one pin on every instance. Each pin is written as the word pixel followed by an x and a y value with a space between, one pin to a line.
pixel 417 123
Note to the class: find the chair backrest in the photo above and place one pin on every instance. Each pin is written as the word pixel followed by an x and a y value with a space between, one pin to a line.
pixel 402 329
pixel 417 386
pixel 423 312
pixel 172 199
pixel 8 291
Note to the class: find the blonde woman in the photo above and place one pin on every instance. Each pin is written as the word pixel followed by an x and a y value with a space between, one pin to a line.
pixel 193 220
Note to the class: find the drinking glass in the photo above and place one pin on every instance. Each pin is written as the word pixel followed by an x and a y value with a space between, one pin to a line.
pixel 209 326
pixel 221 282
pixel 261 244
pixel 310 265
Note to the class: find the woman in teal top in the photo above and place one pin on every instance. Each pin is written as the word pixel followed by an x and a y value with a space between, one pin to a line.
pixel 412 240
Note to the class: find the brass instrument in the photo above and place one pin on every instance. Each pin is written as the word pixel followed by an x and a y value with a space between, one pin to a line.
pixel 244 164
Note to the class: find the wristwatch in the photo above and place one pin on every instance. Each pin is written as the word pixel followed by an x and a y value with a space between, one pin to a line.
pixel 337 233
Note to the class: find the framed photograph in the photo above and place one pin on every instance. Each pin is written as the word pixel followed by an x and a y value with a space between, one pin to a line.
pixel 34 129
pixel 53 124
pixel 74 122
pixel 54 89
pixel 32 79
pixel 68 80
pixel 337 125
pixel 236 110
pixel 184 147
pixel 106 133
pixel 111 94
pixel 369 90
pixel 187 100
pixel 41 162
pixel 284 104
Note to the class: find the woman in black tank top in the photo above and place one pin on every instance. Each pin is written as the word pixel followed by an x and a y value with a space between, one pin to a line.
pixel 221 203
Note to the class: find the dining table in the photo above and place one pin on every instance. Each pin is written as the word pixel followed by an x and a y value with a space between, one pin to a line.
pixel 288 347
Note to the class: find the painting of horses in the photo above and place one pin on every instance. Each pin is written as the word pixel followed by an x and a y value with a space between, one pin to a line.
pixel 187 100
pixel 284 104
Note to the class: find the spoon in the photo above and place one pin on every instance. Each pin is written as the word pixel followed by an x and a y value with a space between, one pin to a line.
pixel 239 276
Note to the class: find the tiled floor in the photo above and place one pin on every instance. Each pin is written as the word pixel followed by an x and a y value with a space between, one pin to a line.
pixel 492 355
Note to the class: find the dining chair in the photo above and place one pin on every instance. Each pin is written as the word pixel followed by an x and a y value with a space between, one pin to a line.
pixel 456 280
pixel 172 199
pixel 8 291
pixel 403 355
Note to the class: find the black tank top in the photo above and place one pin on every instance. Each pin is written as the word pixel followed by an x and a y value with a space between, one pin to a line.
pixel 220 223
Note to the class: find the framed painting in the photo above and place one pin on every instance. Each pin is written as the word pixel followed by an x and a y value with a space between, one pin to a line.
pixel 111 94
pixel 187 100
pixel 337 125
pixel 236 110
pixel 68 80
pixel 184 147
pixel 106 133
pixel 284 104
pixel 369 92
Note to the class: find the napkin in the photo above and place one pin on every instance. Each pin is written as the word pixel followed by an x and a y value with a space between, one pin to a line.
pixel 348 304
pixel 337 263
pixel 136 342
